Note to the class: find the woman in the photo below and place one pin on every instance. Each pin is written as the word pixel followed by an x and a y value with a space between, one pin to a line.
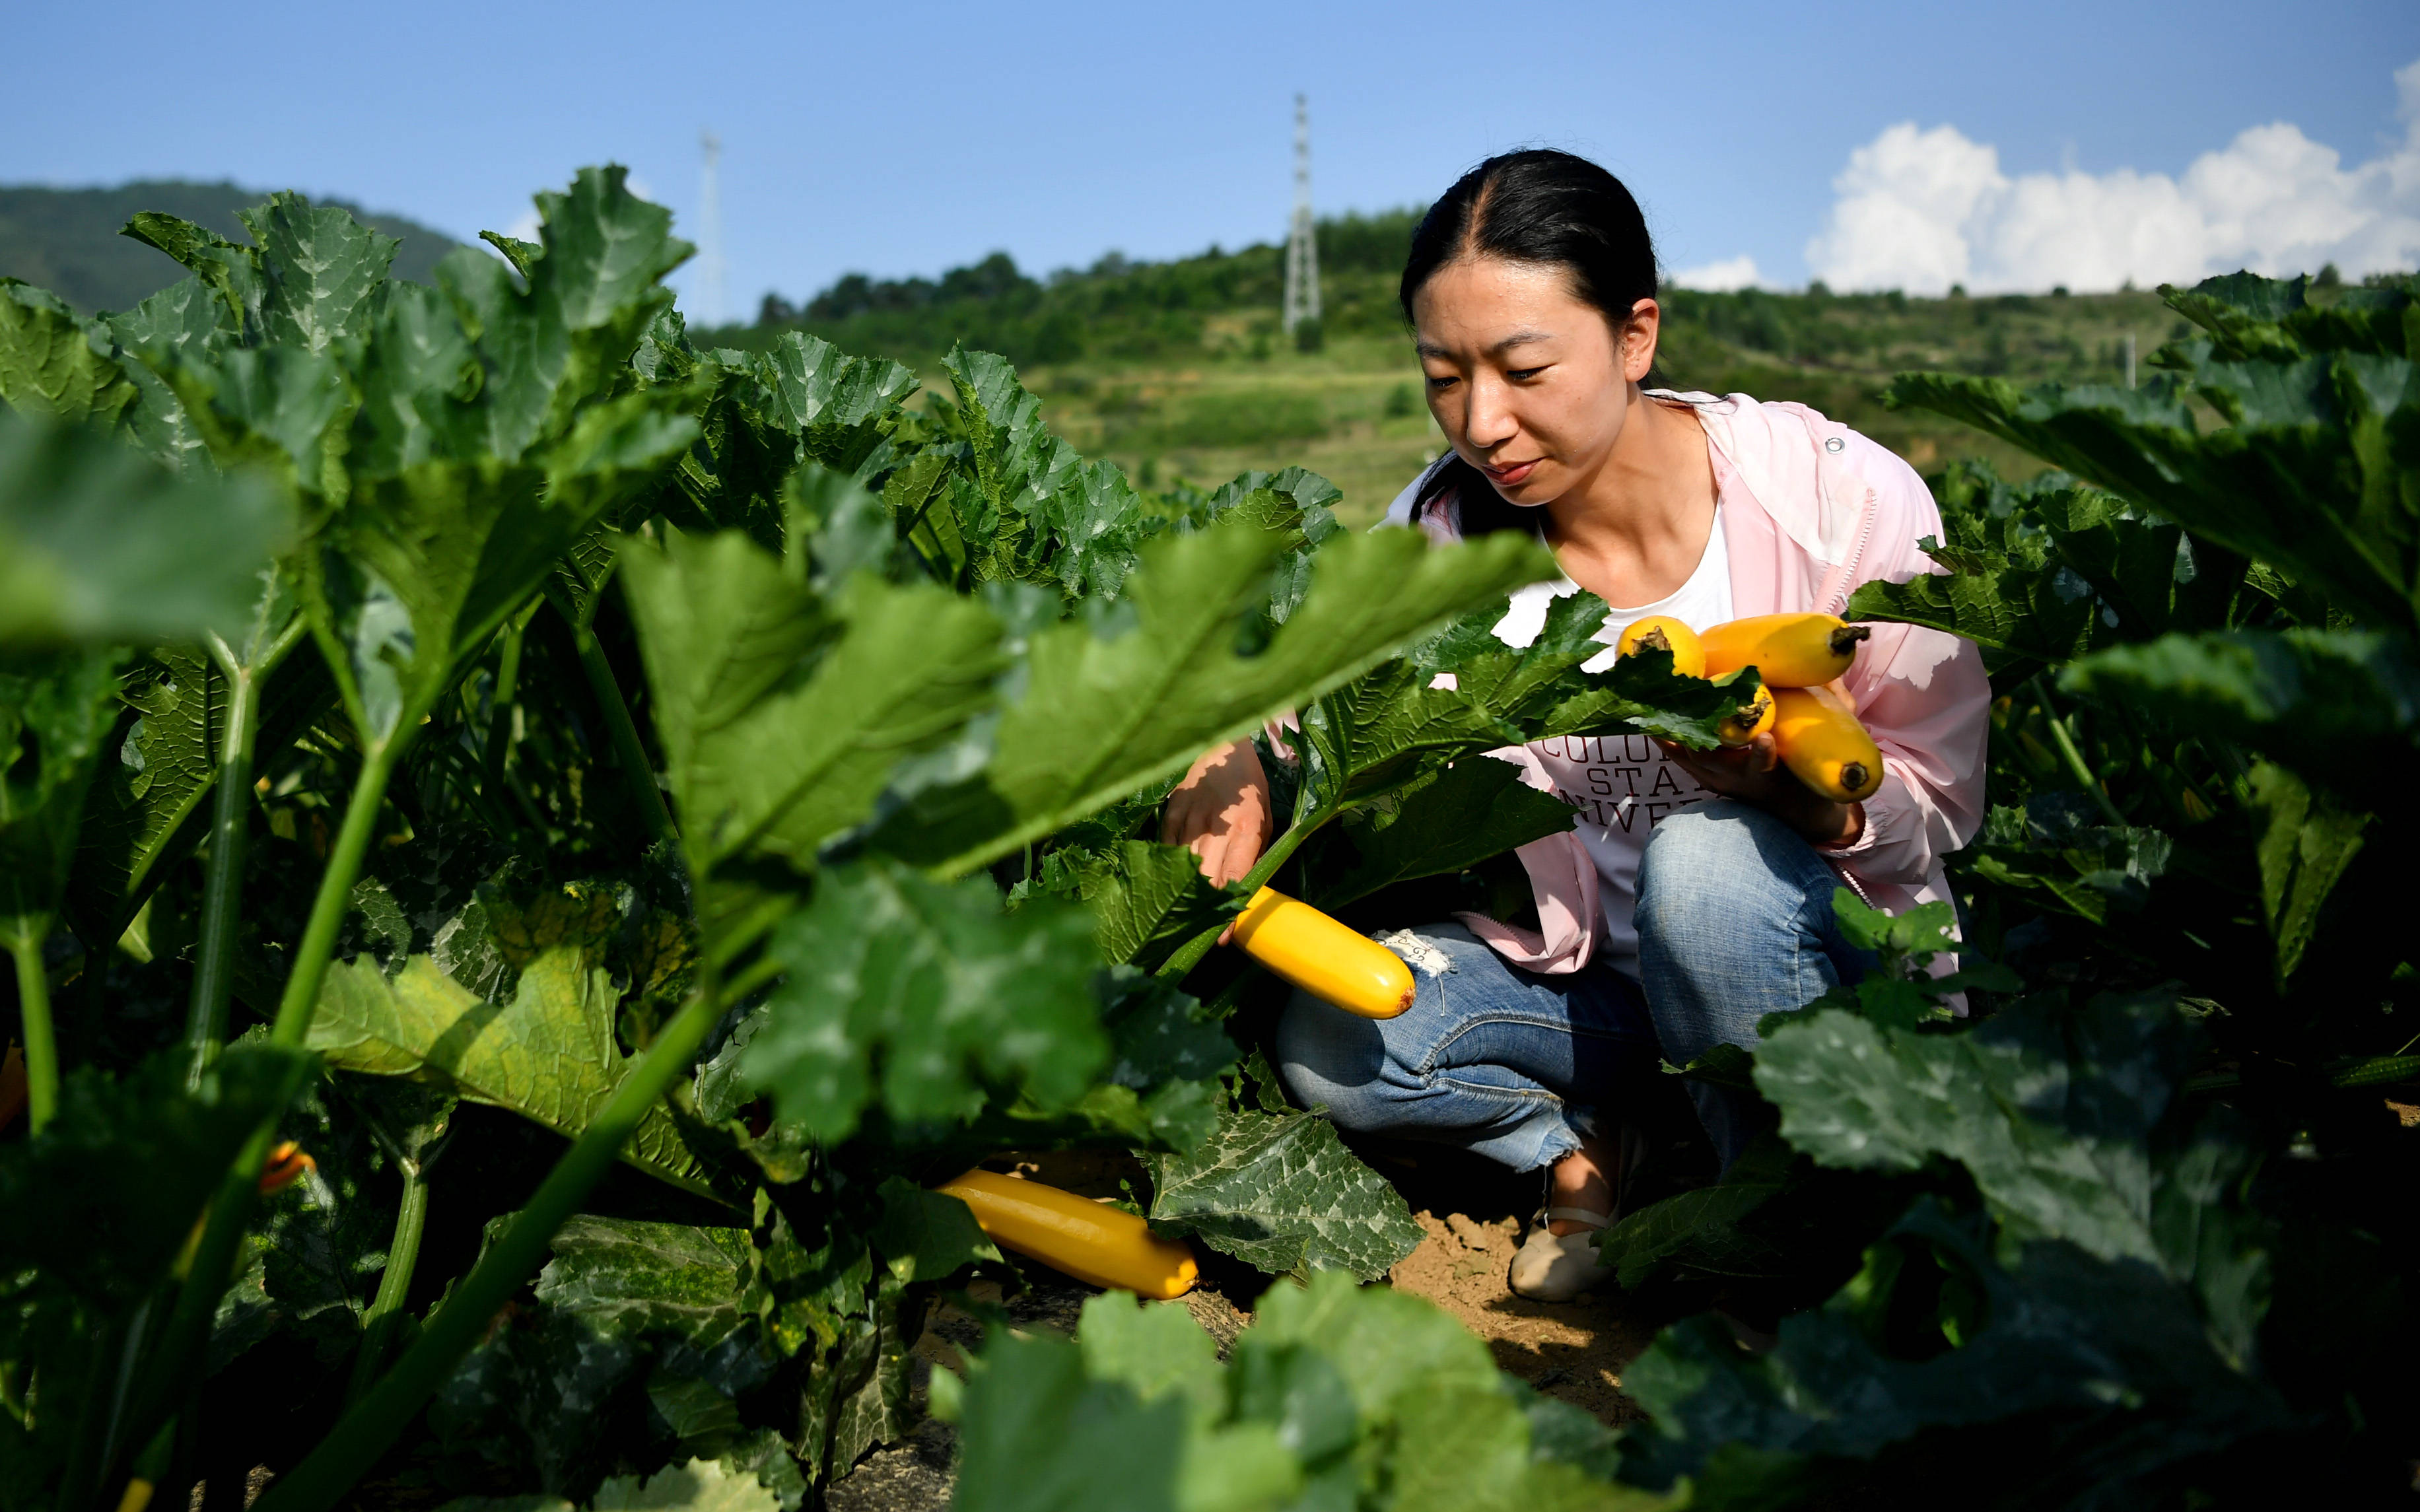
pixel 1693 894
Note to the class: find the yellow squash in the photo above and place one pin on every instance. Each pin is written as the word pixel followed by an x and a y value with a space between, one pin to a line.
pixel 1820 740
pixel 1752 719
pixel 1089 1241
pixel 1322 957
pixel 1662 632
pixel 1786 649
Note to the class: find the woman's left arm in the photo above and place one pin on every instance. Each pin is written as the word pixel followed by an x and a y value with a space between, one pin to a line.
pixel 1923 696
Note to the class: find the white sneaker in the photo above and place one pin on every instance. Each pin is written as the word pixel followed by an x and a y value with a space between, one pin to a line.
pixel 1551 1267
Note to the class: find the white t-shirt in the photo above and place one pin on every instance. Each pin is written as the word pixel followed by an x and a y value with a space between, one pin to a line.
pixel 1623 785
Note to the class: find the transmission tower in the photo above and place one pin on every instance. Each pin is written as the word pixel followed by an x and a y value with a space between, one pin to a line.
pixel 1302 240
pixel 710 232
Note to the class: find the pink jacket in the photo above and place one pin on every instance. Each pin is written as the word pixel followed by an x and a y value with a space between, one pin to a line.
pixel 1830 510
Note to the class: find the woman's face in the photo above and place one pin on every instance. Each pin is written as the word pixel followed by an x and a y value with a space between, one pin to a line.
pixel 1525 379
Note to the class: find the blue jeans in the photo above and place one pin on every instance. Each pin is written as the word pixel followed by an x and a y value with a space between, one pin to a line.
pixel 1735 918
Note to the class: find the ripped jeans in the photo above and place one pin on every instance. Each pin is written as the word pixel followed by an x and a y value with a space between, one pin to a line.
pixel 1735 918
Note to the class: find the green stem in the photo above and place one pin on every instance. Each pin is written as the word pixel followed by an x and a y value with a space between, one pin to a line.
pixel 34 999
pixel 500 708
pixel 637 770
pixel 206 1024
pixel 335 895
pixel 371 1425
pixel 386 1316
pixel 2074 758
pixel 1190 954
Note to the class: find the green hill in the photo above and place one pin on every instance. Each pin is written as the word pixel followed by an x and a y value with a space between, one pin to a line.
pixel 1178 370
pixel 66 240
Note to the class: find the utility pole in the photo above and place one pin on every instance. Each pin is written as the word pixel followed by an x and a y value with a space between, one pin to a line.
pixel 710 232
pixel 1302 240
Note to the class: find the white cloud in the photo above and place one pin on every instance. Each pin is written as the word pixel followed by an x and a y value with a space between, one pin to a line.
pixel 1719 278
pixel 1922 211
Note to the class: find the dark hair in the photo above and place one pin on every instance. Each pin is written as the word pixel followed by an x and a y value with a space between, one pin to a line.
pixel 1550 209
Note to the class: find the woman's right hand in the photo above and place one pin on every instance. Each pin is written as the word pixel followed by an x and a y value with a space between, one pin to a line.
pixel 1221 812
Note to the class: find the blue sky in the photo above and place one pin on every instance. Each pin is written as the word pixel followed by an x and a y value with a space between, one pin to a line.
pixel 909 138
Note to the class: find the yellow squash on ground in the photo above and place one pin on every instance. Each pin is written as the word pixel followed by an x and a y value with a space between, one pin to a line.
pixel 1786 649
pixel 1820 740
pixel 1089 1241
pixel 1662 632
pixel 1322 957
pixel 1753 719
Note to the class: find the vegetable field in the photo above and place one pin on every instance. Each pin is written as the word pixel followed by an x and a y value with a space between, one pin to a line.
pixel 530 848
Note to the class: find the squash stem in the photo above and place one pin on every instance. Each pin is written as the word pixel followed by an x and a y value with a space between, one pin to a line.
pixel 1190 954
pixel 372 1424
pixel 206 1022
pixel 386 1317
pixel 34 999
pixel 637 771
pixel 2073 758
pixel 336 896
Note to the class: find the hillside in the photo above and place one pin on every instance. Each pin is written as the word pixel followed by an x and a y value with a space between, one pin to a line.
pixel 66 240
pixel 1178 370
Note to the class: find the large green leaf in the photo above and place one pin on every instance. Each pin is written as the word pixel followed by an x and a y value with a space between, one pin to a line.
pixel 1036 1436
pixel 1282 1192
pixel 2302 688
pixel 55 711
pixel 2058 1116
pixel 622 1275
pixel 2309 839
pixel 50 364
pixel 917 997
pixel 324 271
pixel 2107 1364
pixel 2045 570
pixel 1476 808
pixel 98 543
pixel 782 715
pixel 2308 472
pixel 1105 707
pixel 1147 899
pixel 546 1054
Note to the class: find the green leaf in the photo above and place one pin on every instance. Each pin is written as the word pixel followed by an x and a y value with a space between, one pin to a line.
pixel 782 715
pixel 620 1276
pixel 104 1200
pixel 1282 1192
pixel 547 1053
pixel 2056 844
pixel 1036 1436
pixel 1147 899
pixel 2106 1363
pixel 1104 710
pixel 98 543
pixel 2309 839
pixel 916 996
pixel 2327 684
pixel 52 363
pixel 323 270
pixel 55 711
pixel 1701 1228
pixel 561 341
pixel 1475 808
pixel 2052 1113
pixel 700 1486
pixel 925 1236
pixel 2302 475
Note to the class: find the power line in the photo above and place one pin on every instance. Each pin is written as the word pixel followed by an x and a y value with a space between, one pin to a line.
pixel 710 232
pixel 1302 240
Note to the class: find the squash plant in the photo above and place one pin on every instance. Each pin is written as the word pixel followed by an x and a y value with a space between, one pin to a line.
pixel 672 807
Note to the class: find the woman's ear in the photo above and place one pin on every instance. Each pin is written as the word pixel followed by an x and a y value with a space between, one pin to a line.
pixel 1639 340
